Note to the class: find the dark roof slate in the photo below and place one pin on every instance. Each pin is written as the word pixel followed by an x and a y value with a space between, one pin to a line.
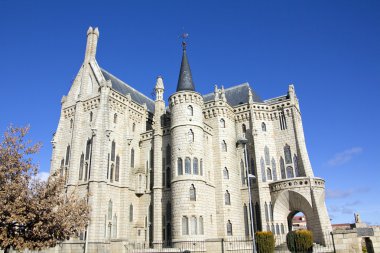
pixel 124 89
pixel 236 95
pixel 185 80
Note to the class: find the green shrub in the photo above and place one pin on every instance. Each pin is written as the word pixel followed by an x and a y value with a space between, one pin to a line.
pixel 264 242
pixel 300 241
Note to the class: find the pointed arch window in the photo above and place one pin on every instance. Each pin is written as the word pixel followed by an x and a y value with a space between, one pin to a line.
pixel 269 174
pixel 117 168
pixel 67 155
pixel 266 212
pixel 288 154
pixel 190 136
pixel 132 158
pixel 201 167
pixel 289 172
pixel 130 213
pixel 246 222
pixel 168 154
pixel 180 166
pixel 71 123
pixel 229 228
pixel 81 167
pixel 244 129
pixel 195 166
pixel 274 169
pixel 187 165
pixel 277 229
pixel 193 193
pixel 267 157
pixel 272 229
pixel 91 116
pixel 112 171
pixel 190 110
pixel 222 123
pixel 88 149
pixel 225 173
pixel 296 168
pixel 85 171
pixel 262 165
pixel 282 229
pixel 110 209
pixel 282 165
pixel 263 127
pixel 224 146
pixel 193 222
pixel 271 211
pixel 227 198
pixel 115 118
pixel 113 150
pixel 185 225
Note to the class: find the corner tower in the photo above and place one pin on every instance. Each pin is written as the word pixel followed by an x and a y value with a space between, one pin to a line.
pixel 191 196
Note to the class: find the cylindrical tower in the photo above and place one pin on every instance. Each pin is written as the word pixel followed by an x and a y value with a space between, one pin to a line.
pixel 190 196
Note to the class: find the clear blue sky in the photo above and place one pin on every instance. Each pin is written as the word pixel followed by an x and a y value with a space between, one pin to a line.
pixel 330 50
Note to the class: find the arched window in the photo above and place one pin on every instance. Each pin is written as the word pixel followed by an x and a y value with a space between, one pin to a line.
pixel 269 174
pixel 282 165
pixel 229 228
pixel 88 149
pixel 244 129
pixel 266 153
pixel 246 222
pixel 71 123
pixel 195 166
pixel 242 173
pixel 274 169
pixel 193 226
pixel 85 171
pixel 296 168
pixel 224 146
pixel 282 229
pixel 91 114
pixel 222 123
pixel 227 198
pixel 190 110
pixel 272 229
pixel 168 154
pixel 180 166
pixel 168 177
pixel 266 212
pixel 289 172
pixel 113 151
pixel 110 209
pixel 271 211
pixel 277 229
pixel 115 118
pixel 67 155
pixel 201 229
pixel 263 127
pixel 117 168
pixel 262 165
pixel 288 154
pixel 132 158
pixel 187 165
pixel 190 136
pixel 193 193
pixel 81 167
pixel 225 173
pixel 185 225
pixel 130 213
pixel 111 174
pixel 201 167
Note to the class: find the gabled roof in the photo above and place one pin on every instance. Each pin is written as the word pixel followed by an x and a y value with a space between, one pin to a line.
pixel 124 89
pixel 236 95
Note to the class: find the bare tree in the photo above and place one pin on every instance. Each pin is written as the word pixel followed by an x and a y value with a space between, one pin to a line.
pixel 34 214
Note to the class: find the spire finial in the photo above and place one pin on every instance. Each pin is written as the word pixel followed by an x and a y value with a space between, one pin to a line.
pixel 184 37
pixel 185 80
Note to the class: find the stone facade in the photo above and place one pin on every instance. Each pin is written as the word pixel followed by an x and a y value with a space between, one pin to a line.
pixel 162 174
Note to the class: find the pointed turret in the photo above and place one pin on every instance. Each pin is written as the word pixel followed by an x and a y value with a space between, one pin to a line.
pixel 185 80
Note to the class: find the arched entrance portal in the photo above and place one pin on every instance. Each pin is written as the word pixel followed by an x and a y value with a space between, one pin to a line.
pixel 297 220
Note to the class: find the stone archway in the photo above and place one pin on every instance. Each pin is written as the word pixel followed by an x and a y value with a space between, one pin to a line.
pixel 292 215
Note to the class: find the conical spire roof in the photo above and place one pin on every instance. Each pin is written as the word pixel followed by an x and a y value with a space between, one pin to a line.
pixel 185 80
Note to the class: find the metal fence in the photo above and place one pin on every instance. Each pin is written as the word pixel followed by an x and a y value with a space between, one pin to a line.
pixel 192 246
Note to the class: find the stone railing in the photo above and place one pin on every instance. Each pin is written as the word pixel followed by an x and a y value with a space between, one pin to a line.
pixel 297 182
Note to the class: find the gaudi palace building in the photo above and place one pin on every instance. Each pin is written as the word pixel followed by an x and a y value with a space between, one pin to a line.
pixel 162 173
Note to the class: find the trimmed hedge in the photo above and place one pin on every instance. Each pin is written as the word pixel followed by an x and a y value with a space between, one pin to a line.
pixel 300 241
pixel 264 242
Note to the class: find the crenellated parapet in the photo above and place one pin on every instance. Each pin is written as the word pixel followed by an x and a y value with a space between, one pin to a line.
pixel 185 97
